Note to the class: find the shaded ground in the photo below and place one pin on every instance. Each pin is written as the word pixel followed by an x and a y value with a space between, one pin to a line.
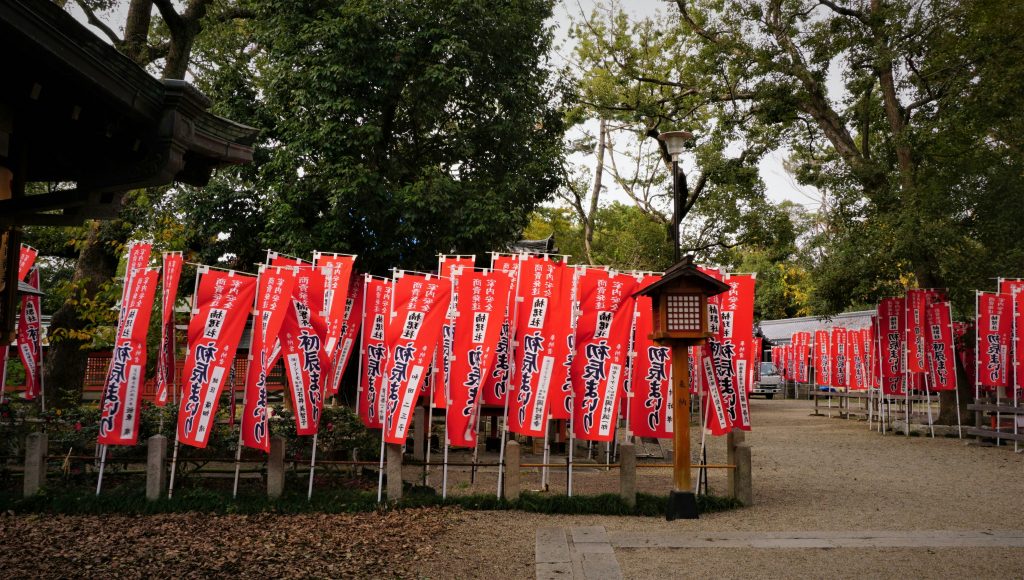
pixel 810 473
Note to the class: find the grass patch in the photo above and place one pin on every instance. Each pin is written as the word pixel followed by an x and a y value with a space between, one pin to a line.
pixel 131 500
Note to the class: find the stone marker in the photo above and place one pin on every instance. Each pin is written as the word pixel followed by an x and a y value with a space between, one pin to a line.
pixel 744 483
pixel 36 446
pixel 156 467
pixel 275 467
pixel 627 473
pixel 394 471
pixel 419 433
pixel 513 473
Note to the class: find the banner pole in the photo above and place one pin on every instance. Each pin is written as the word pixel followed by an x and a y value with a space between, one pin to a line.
pixel 380 474
pixel 103 464
pixel 444 469
pixel 312 468
pixel 174 466
pixel 501 448
pixel 928 403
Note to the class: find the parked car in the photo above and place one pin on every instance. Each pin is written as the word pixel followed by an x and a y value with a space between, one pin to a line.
pixel 770 382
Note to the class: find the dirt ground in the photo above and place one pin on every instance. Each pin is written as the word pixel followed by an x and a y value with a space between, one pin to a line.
pixel 810 474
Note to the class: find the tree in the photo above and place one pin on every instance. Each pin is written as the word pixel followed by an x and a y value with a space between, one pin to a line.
pixel 390 130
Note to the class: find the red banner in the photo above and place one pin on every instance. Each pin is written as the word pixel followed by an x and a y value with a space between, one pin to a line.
pixel 994 328
pixel 801 352
pixel 374 354
pixel 650 407
pixel 564 335
pixel 496 383
pixel 855 350
pixel 602 339
pixel 694 356
pixel 1018 339
pixel 941 364
pixel 221 307
pixel 540 282
pixel 122 391
pixel 166 356
pixel 716 417
pixel 304 350
pixel 137 259
pixel 420 305
pixel 822 357
pixel 275 260
pixel 891 332
pixel 840 370
pixel 337 272
pixel 483 299
pixel 916 302
pixel 273 298
pixel 26 258
pixel 349 332
pixel 29 339
pixel 450 267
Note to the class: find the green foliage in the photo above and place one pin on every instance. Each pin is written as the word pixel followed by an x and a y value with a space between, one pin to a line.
pixel 391 130
pixel 127 499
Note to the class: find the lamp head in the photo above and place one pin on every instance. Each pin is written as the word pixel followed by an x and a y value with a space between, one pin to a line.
pixel 675 142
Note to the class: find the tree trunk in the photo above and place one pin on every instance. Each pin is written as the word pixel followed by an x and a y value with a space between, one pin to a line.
pixel 67 356
pixel 588 221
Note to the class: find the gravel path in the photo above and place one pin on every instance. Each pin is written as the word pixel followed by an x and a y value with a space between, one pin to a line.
pixel 810 473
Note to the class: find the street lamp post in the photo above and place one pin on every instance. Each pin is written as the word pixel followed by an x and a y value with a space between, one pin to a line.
pixel 675 142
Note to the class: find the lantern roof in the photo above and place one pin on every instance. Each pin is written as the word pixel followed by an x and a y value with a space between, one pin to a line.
pixel 686 270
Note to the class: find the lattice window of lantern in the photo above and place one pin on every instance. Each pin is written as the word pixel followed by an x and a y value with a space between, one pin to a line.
pixel 684 313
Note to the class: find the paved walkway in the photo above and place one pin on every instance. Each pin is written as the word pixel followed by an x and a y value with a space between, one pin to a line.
pixel 588 553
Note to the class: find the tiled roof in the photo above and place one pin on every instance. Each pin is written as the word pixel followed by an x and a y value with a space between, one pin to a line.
pixel 781 331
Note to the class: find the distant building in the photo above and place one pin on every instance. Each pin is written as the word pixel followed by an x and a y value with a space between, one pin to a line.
pixel 780 332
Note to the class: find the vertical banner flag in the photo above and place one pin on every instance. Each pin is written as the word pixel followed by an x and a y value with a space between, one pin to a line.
pixel 449 267
pixel 602 337
pixel 1015 289
pixel 854 351
pixel 277 260
pixel 122 391
pixel 496 383
pixel 994 328
pixel 29 339
pixel 802 345
pixel 304 350
pixel 26 259
pixel 939 329
pixel 540 281
pixel 737 315
pixel 483 298
pixel 822 358
pixel 916 302
pixel 374 354
pixel 564 336
pixel 420 305
pixel 138 258
pixel 758 357
pixel 337 272
pixel 273 298
pixel 716 419
pixel 220 309
pixel 165 364
pixel 650 407
pixel 840 358
pixel 694 356
pixel 891 333
pixel 349 331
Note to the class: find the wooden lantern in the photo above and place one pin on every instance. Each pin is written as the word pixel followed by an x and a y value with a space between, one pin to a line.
pixel 680 304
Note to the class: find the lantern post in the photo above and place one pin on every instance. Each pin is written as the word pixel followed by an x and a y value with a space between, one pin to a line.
pixel 680 304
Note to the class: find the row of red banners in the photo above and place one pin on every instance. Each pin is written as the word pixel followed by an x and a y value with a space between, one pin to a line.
pixel 548 340
pixel 912 343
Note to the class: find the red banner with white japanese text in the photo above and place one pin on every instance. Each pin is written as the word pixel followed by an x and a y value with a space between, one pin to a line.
pixel 374 354
pixel 278 260
pixel 855 351
pixel 939 334
pixel 497 381
pixel 349 332
pixel 26 259
pixel 273 298
pixel 801 353
pixel 650 407
pixel 840 358
pixel 483 298
pixel 822 358
pixel 420 305
pixel 540 281
pixel 891 333
pixel 994 328
pixel 602 339
pixel 305 364
pixel 694 356
pixel 137 259
pixel 221 308
pixel 716 415
pixel 165 364
pixel 916 302
pixel 337 272
pixel 449 267
pixel 122 391
pixel 29 339
pixel 1015 288
pixel 564 336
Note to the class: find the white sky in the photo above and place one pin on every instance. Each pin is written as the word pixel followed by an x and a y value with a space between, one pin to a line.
pixel 780 185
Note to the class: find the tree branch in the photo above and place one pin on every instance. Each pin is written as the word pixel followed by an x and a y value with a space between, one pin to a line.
pixel 95 21
pixel 844 10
